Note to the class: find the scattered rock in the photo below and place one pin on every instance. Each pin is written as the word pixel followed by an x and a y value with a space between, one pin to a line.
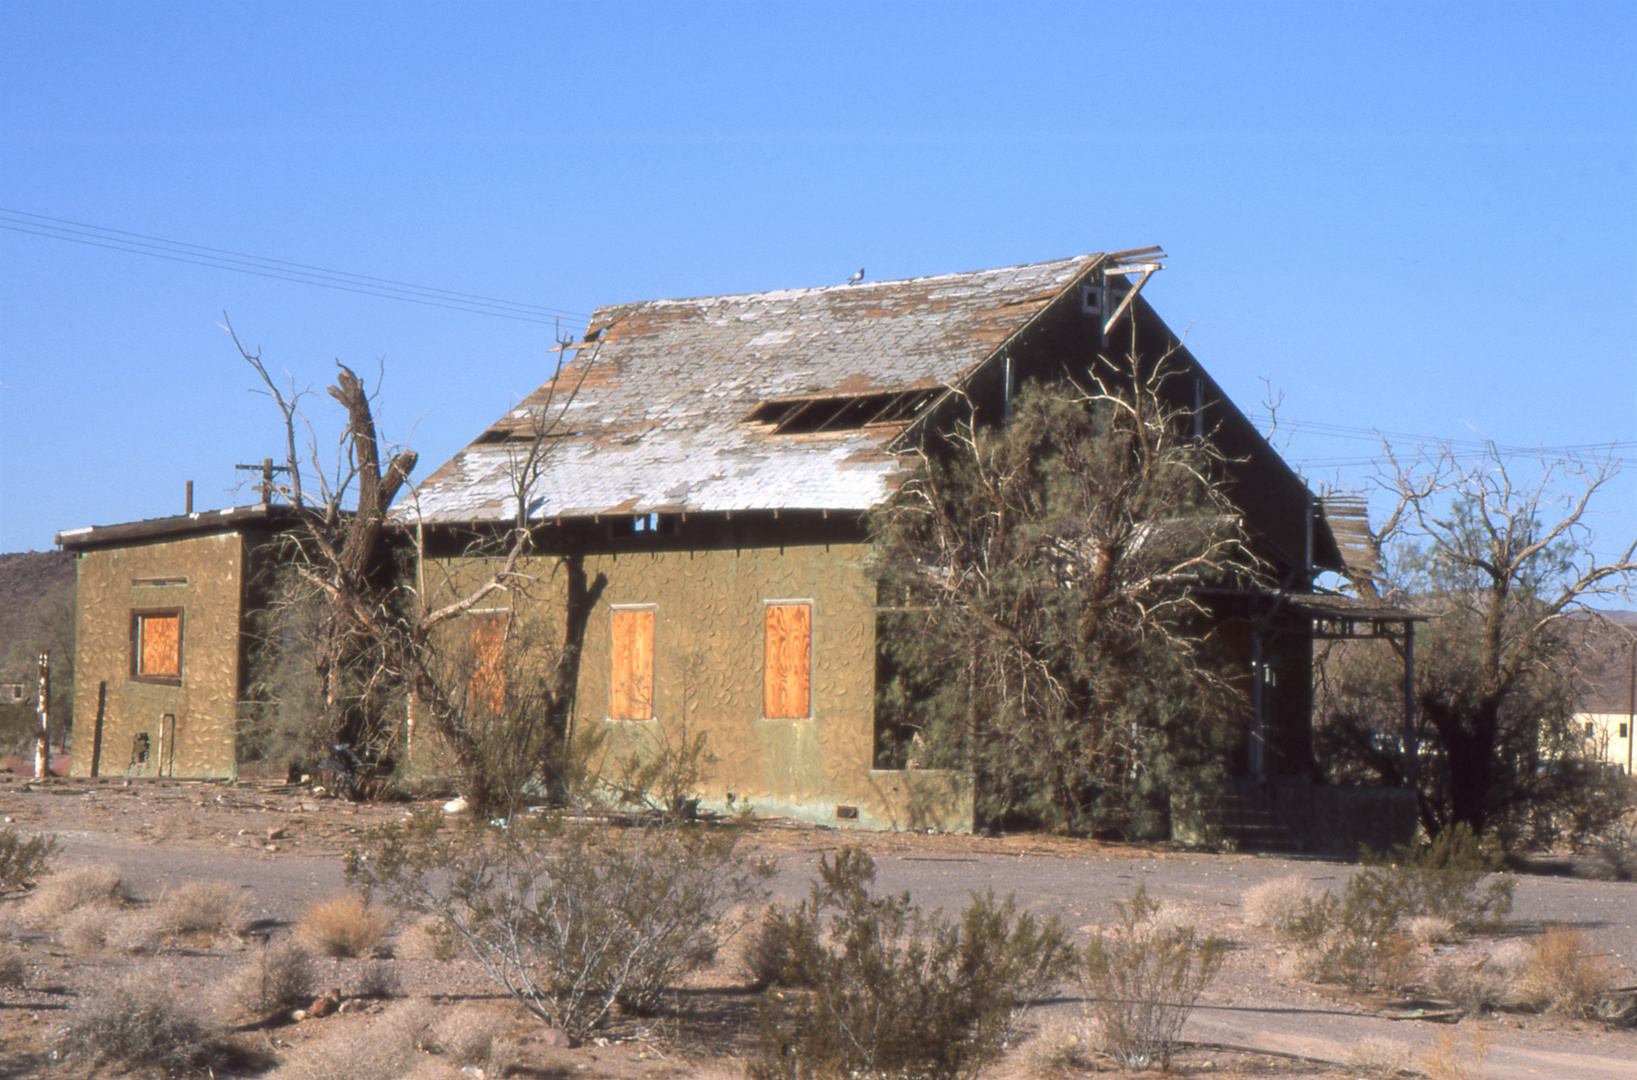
pixel 556 1037
pixel 457 805
pixel 275 833
pixel 325 1005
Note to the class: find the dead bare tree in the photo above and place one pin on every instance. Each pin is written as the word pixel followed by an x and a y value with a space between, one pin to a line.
pixel 360 571
pixel 1502 552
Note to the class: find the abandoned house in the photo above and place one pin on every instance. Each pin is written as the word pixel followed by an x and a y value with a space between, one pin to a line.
pixel 712 465
pixel 709 467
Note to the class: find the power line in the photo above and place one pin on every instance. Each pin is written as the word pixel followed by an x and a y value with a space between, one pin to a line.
pixel 79 232
pixel 1461 448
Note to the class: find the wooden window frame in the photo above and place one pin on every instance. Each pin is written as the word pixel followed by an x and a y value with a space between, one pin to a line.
pixel 157 678
pixel 768 702
pixel 615 682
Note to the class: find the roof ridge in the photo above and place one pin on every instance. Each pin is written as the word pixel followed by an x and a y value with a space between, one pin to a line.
pixel 860 287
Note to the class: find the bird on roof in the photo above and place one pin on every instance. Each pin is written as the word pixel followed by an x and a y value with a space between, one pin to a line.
pixel 856 278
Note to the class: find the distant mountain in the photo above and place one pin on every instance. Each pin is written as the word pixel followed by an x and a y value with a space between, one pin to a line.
pixel 25 578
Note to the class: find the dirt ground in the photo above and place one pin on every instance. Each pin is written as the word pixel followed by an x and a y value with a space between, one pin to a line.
pixel 282 845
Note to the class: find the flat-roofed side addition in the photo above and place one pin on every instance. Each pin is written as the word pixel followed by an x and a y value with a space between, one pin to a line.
pixel 157 675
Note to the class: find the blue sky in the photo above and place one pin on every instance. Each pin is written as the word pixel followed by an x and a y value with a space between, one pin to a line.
pixel 1414 218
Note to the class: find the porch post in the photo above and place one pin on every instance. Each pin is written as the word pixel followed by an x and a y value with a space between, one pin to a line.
pixel 1258 728
pixel 1412 748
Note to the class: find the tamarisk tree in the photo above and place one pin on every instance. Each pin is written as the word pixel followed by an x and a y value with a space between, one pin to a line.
pixel 1041 622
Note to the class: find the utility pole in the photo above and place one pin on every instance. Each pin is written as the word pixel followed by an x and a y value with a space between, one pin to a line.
pixel 1631 703
pixel 42 748
pixel 267 469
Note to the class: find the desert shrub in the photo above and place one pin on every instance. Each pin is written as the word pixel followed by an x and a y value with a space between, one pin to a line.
pixel 66 891
pixel 22 860
pixel 135 1022
pixel 13 970
pixel 204 908
pixel 1275 904
pixel 1142 980
pixel 342 925
pixel 571 920
pixel 889 990
pixel 1564 976
pixel 279 978
pixel 764 951
pixel 1444 876
pixel 1355 941
pixel 376 979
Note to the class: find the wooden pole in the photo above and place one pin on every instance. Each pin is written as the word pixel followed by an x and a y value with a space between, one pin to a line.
pixel 42 748
pixel 1631 717
pixel 1412 744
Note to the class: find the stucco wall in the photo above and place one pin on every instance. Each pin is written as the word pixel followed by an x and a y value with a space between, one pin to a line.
pixel 708 670
pixel 111 585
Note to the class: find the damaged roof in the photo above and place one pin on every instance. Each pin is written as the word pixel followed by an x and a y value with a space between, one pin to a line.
pixel 778 400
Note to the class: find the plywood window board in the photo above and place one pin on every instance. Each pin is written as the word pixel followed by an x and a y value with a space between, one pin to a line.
pixel 156 645
pixel 788 660
pixel 631 682
pixel 486 650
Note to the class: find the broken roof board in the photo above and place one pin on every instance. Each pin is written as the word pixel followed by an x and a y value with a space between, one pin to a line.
pixel 658 422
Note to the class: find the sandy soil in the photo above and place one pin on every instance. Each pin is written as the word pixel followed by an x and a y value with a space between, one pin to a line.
pixel 1254 1022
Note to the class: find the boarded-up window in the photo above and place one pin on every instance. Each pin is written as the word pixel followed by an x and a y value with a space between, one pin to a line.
pixel 788 661
pixel 156 645
pixel 486 664
pixel 631 686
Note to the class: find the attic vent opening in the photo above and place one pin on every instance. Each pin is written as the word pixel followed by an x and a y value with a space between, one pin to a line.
pixel 805 416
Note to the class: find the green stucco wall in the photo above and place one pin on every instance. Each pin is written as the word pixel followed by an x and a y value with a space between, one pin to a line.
pixel 204 704
pixel 708 671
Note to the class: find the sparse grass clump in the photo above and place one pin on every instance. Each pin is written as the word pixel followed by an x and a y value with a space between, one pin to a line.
pixel 278 979
pixel 23 859
pixel 59 894
pixel 1378 1058
pixel 1276 904
pixel 1452 1057
pixel 393 1046
pixel 888 990
pixel 1143 978
pixel 473 1035
pixel 138 1022
pixel 207 909
pixel 343 925
pixel 426 938
pixel 1564 976
pixel 1430 929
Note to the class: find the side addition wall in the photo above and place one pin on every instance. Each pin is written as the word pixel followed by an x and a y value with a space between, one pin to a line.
pixel 144 725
